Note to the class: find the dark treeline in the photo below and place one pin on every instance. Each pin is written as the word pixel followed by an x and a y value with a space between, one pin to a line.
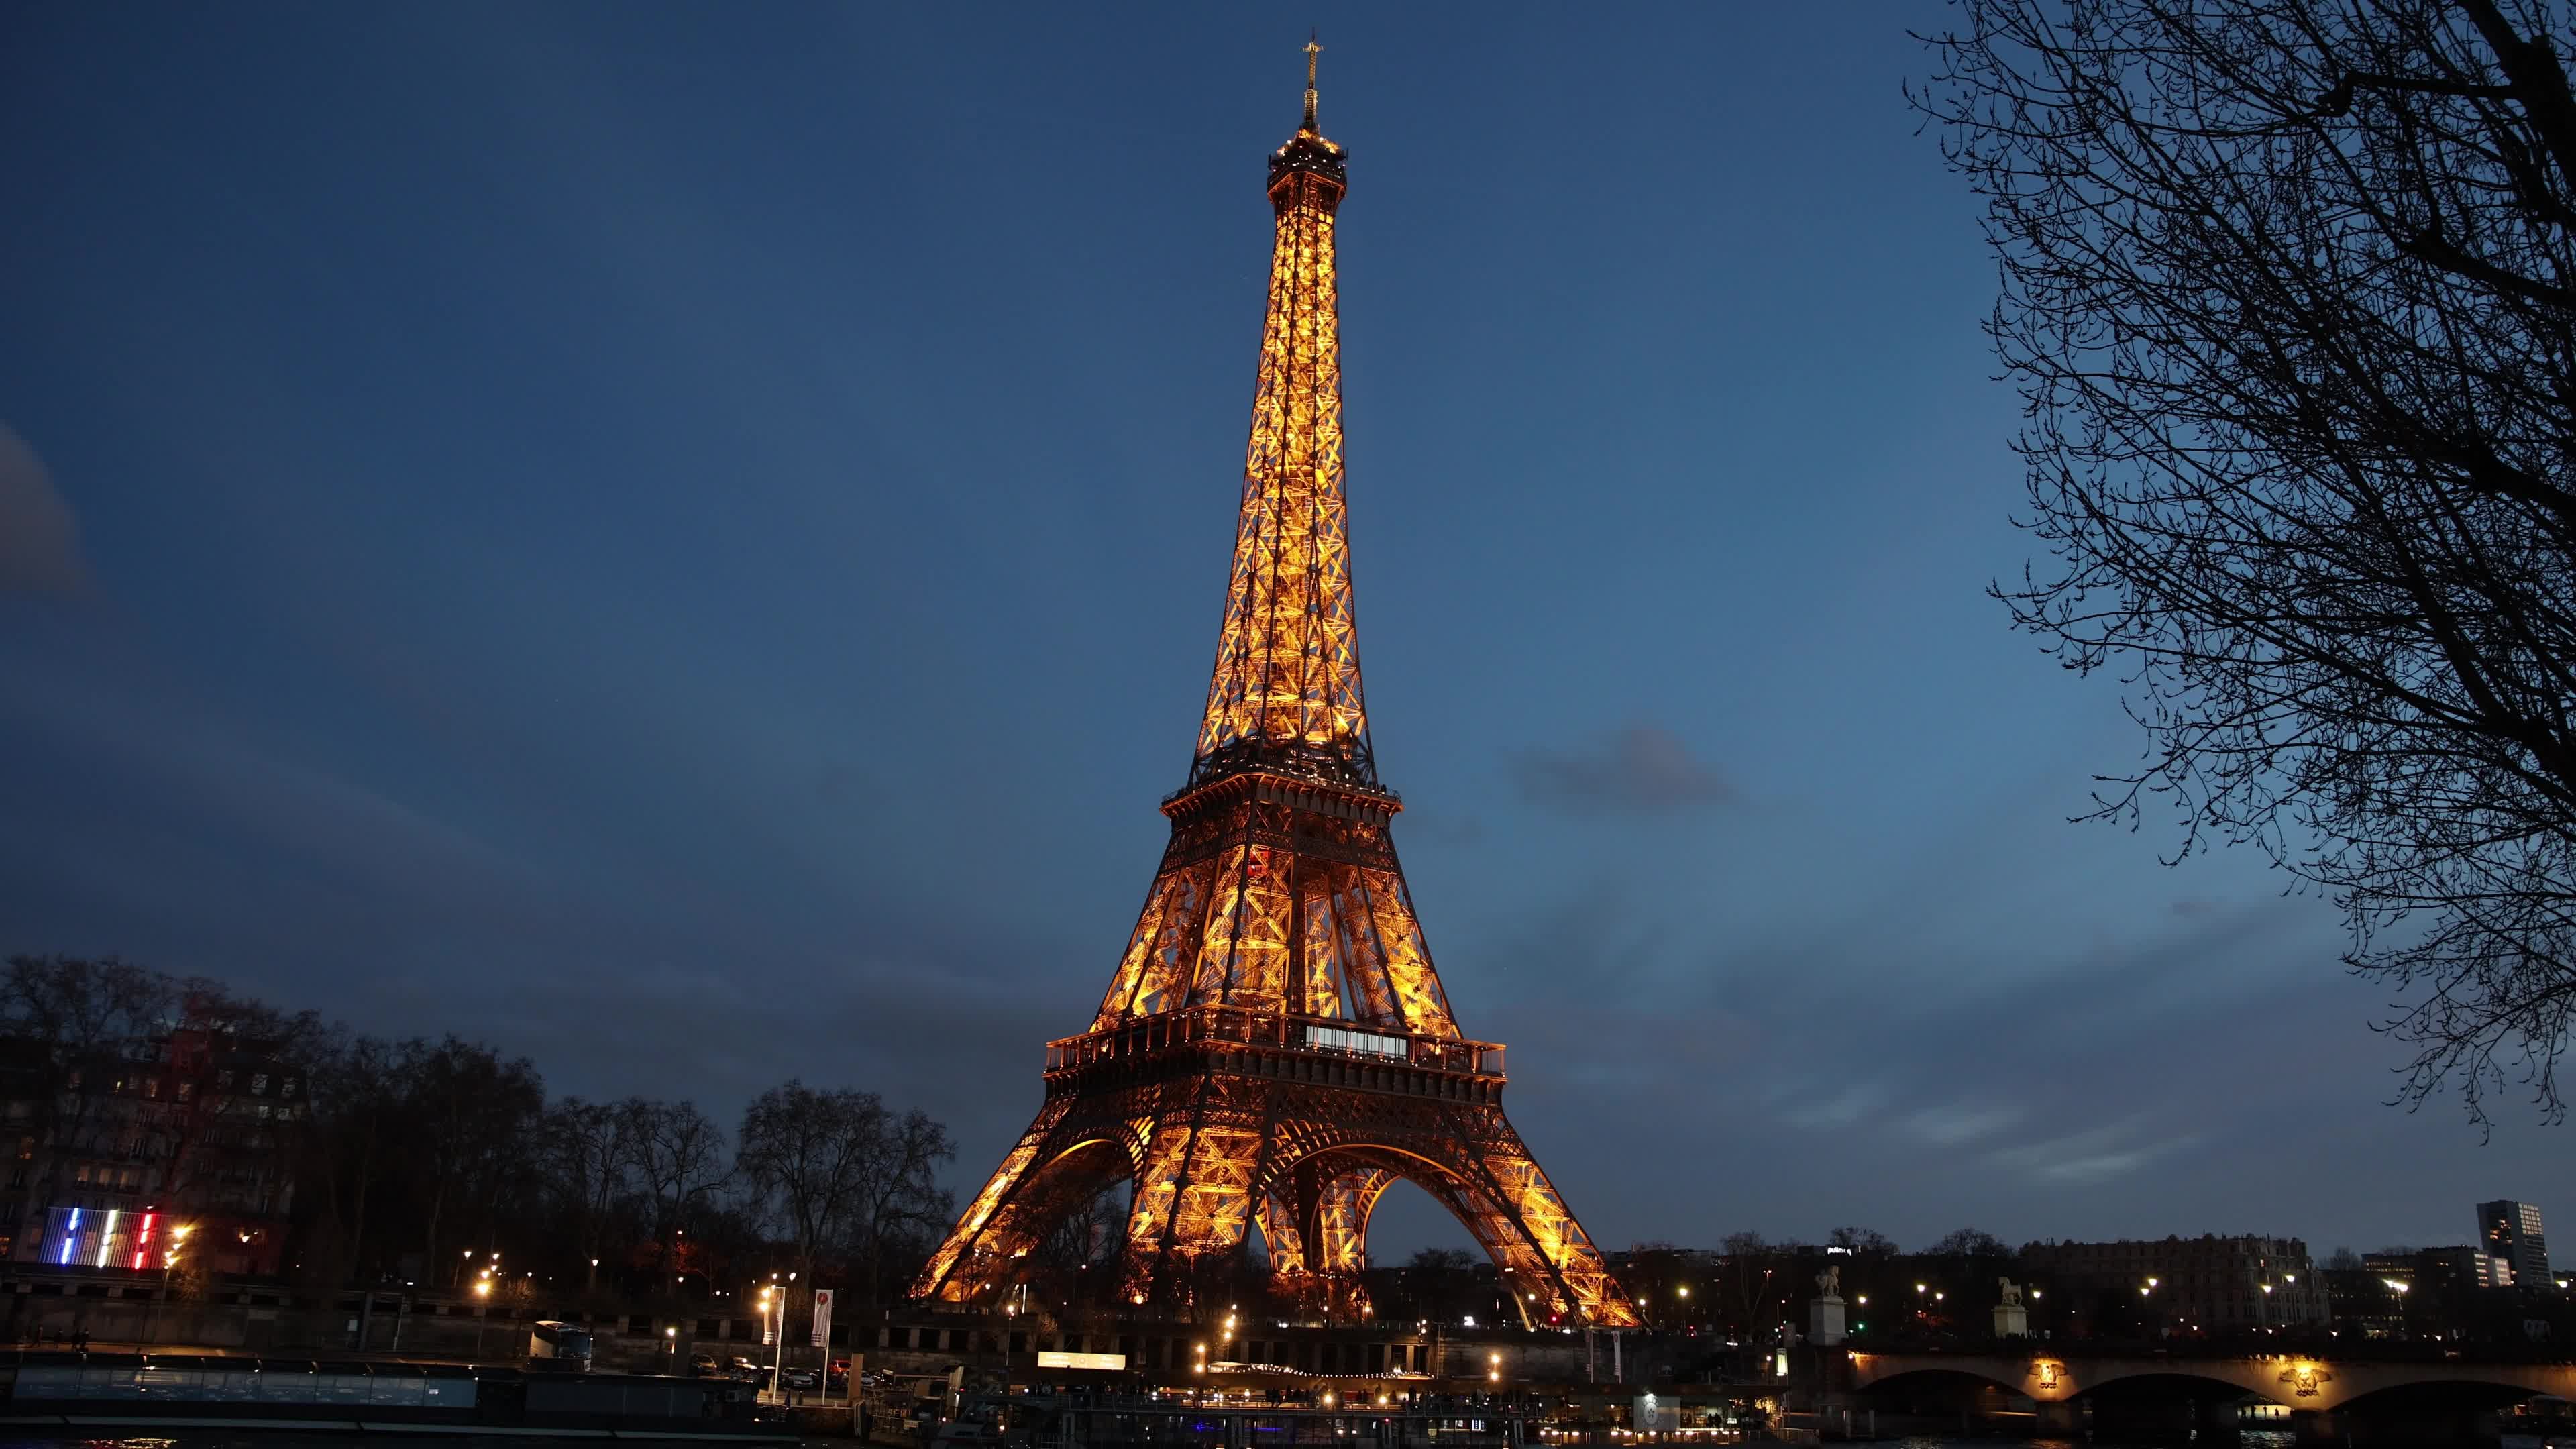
pixel 439 1162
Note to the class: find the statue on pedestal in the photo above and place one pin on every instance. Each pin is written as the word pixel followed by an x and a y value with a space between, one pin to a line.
pixel 1825 1314
pixel 2011 1319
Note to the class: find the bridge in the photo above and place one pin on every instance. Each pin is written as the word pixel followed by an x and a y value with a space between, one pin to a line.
pixel 2342 1397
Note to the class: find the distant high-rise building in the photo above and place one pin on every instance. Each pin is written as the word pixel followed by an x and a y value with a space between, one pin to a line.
pixel 2511 1231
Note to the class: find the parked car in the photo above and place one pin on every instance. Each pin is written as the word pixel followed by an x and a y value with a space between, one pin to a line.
pixel 798 1378
pixel 704 1366
pixel 744 1368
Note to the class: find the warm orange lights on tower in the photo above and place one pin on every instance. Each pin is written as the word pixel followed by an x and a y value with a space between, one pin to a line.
pixel 1275 1049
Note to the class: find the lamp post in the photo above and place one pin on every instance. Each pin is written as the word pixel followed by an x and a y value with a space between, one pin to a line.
pixel 170 1254
pixel 483 1295
pixel 769 1326
pixel 2399 1286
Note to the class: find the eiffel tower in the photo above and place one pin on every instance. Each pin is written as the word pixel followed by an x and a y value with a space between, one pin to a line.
pixel 1275 1049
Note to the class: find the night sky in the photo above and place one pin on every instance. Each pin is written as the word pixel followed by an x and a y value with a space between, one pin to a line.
pixel 687 542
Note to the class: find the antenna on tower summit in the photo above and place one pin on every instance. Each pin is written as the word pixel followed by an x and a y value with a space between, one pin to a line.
pixel 1312 50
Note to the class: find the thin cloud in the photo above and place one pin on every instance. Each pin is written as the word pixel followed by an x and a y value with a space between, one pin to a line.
pixel 2094 1155
pixel 39 540
pixel 1644 770
pixel 1957 1124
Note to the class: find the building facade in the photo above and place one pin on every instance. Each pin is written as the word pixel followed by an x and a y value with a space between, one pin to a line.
pixel 161 1154
pixel 2208 1286
pixel 2511 1231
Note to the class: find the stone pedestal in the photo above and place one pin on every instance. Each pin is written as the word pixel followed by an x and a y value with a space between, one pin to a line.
pixel 1825 1324
pixel 2012 1321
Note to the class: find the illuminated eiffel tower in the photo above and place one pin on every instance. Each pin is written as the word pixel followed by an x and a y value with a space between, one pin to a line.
pixel 1275 1049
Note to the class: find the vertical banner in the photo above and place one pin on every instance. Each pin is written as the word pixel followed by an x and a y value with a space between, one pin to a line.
pixel 822 1318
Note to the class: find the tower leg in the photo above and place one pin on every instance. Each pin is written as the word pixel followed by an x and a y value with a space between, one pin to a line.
pixel 1193 1202
pixel 1052 1166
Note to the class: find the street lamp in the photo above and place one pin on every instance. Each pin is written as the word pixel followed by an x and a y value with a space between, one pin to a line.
pixel 170 1254
pixel 774 1329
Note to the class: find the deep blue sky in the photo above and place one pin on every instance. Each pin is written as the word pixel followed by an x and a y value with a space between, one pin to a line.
pixel 687 542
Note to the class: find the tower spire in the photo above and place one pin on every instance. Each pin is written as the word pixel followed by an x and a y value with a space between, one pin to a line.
pixel 1285 694
pixel 1312 50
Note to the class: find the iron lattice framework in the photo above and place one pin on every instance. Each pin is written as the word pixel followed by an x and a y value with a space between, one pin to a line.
pixel 1275 1049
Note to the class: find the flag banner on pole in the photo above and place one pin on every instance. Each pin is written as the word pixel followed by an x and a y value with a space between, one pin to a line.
pixel 822 1318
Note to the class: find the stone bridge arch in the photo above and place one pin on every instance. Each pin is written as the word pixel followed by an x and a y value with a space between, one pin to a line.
pixel 2302 1383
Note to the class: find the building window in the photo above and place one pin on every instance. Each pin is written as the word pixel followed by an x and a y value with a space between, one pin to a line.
pixel 259 1084
pixel 187 1090
pixel 223 1081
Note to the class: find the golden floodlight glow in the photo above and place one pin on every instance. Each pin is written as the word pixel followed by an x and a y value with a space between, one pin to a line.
pixel 1278 969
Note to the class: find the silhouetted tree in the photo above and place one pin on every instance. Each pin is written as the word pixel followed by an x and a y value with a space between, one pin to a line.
pixel 1970 1243
pixel 899 1202
pixel 1860 1240
pixel 1439 1284
pixel 679 1160
pixel 470 1116
pixel 77 1018
pixel 2289 291
pixel 591 1154
pixel 839 1172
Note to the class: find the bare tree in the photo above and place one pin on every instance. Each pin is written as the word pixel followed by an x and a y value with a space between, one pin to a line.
pixel 1860 1240
pixel 680 1154
pixel 473 1113
pixel 898 1198
pixel 593 1152
pixel 838 1170
pixel 356 1108
pixel 804 1152
pixel 1970 1243
pixel 81 1018
pixel 2289 292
